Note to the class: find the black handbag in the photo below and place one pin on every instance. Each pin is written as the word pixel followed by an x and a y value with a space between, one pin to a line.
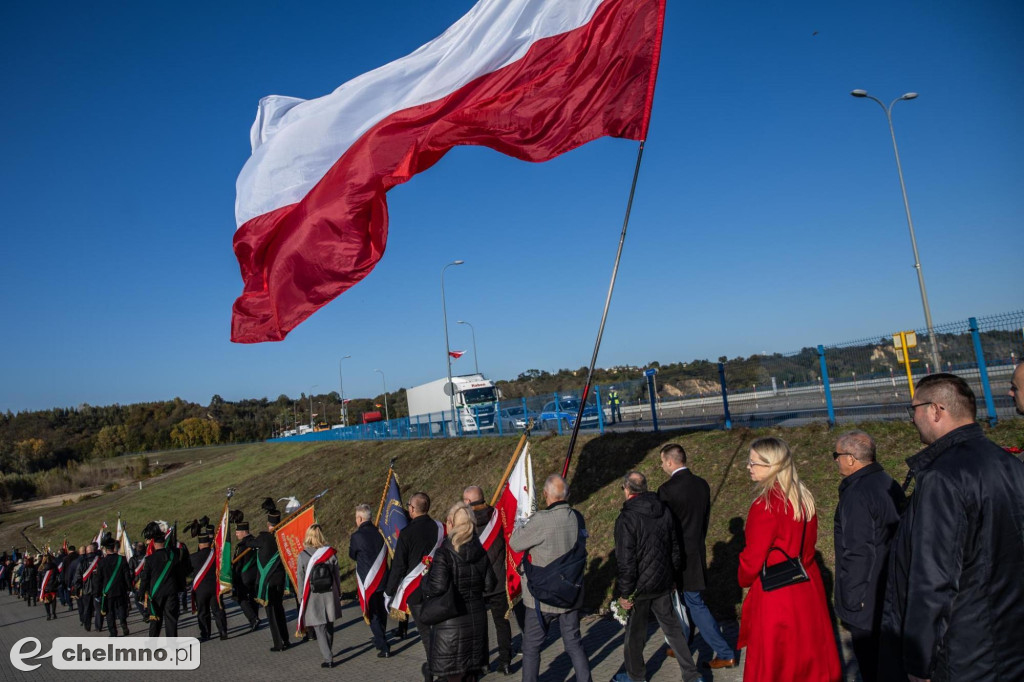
pixel 437 608
pixel 788 572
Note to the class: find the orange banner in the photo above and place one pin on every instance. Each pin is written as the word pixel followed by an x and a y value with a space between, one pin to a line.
pixel 289 541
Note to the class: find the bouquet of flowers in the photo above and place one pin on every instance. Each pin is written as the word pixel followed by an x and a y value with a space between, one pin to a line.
pixel 618 613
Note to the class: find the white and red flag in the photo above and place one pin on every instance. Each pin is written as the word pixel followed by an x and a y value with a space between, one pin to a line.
pixel 99 536
pixel 529 78
pixel 516 502
pixel 456 354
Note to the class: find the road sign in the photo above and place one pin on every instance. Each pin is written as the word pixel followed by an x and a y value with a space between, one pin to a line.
pixel 650 372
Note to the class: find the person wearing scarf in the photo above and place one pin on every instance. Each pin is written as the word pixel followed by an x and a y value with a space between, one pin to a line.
pixel 48 579
pixel 161 581
pixel 115 585
pixel 318 609
pixel 270 586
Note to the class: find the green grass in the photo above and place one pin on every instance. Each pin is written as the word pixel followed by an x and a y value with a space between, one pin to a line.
pixel 355 472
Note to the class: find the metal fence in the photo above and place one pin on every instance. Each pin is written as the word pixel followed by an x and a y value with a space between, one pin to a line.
pixel 866 379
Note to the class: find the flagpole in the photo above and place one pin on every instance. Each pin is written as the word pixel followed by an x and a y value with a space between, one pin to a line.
pixel 384 495
pixel 511 465
pixel 604 315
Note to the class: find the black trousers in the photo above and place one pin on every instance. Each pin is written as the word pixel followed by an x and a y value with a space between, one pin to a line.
pixel 117 612
pixel 244 596
pixel 166 608
pixel 426 631
pixel 275 615
pixel 378 620
pixel 98 614
pixel 636 637
pixel 206 605
pixel 865 650
pixel 87 606
pixel 503 629
pixel 51 608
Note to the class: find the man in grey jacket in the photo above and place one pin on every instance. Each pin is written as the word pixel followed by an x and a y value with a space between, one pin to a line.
pixel 547 535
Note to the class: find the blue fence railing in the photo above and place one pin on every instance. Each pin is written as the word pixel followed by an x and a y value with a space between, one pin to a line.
pixel 859 380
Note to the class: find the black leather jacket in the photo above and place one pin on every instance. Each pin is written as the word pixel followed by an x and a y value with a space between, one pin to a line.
pixel 954 603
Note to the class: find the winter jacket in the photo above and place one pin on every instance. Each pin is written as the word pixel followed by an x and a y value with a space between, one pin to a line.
pixel 646 548
pixel 865 522
pixel 954 602
pixel 323 608
pixel 459 645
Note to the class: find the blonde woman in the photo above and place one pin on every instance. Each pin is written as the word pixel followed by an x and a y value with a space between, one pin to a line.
pixel 319 591
pixel 459 648
pixel 786 632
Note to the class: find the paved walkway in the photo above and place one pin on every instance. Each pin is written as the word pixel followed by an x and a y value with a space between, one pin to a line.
pixel 246 655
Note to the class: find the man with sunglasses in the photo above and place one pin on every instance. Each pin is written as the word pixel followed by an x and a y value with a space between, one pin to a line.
pixel 865 522
pixel 954 600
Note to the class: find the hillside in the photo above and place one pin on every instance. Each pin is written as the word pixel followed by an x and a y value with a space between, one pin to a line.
pixel 355 472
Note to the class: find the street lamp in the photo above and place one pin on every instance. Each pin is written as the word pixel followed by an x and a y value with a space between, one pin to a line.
pixel 341 385
pixel 476 365
pixel 311 404
pixel 448 348
pixel 910 223
pixel 387 415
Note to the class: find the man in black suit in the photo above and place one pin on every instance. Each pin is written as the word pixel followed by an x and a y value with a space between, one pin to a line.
pixel 688 497
pixel 366 548
pixel 417 540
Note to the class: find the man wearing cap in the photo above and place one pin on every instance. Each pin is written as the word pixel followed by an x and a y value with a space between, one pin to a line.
pixel 115 583
pixel 161 580
pixel 244 576
pixel 271 576
pixel 205 587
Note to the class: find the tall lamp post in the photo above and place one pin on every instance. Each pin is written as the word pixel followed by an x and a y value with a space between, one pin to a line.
pixel 910 223
pixel 387 415
pixel 311 404
pixel 448 348
pixel 476 365
pixel 341 385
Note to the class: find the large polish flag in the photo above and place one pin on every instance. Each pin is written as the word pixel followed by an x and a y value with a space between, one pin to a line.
pixel 529 78
pixel 515 504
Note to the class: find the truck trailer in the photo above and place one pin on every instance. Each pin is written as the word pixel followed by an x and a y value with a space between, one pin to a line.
pixel 476 403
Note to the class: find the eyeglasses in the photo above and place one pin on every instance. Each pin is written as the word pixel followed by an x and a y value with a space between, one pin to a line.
pixel 752 463
pixel 912 408
pixel 837 455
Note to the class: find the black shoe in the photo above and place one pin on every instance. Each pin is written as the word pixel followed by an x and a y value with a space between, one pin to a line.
pixel 384 653
pixel 325 665
pixel 285 646
pixel 504 669
pixel 223 636
pixel 276 648
pixel 254 625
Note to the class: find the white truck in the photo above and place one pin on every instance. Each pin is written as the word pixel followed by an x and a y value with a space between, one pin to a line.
pixel 476 403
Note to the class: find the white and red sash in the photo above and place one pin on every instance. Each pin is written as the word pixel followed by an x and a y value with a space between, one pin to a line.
pixel 412 580
pixel 201 573
pixel 368 585
pixel 3 569
pixel 138 569
pixel 491 531
pixel 319 556
pixel 88 571
pixel 45 583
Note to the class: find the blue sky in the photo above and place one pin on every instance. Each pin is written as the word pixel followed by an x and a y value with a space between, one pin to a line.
pixel 767 216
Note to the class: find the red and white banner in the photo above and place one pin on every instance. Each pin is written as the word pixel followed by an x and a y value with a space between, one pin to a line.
pixel 99 536
pixel 456 354
pixel 516 502
pixel 368 585
pixel 398 602
pixel 321 555
pixel 290 536
pixel 529 78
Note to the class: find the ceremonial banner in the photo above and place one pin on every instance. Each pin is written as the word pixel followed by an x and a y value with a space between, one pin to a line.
pixel 391 514
pixel 222 549
pixel 125 549
pixel 529 78
pixel 99 536
pixel 290 536
pixel 515 504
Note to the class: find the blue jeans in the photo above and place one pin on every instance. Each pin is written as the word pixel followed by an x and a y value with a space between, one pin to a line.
pixel 707 625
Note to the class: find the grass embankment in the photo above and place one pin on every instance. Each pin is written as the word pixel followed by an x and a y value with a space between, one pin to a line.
pixel 355 473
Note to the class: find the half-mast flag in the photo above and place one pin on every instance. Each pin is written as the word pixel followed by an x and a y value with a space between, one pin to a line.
pixel 456 353
pixel 529 78
pixel 516 502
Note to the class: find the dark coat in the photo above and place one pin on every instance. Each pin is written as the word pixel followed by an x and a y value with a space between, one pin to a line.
pixel 120 582
pixel 265 546
pixel 688 498
pixel 459 645
pixel 363 547
pixel 174 577
pixel 646 549
pixel 414 542
pixel 67 576
pixel 88 586
pixel 953 603
pixel 866 517
pixel 243 572
pixel 496 553
pixel 209 583
pixel 30 579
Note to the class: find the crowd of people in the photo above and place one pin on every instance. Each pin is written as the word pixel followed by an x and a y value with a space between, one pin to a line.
pixel 927 584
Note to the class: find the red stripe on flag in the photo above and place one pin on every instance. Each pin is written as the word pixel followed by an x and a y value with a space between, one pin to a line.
pixel 567 90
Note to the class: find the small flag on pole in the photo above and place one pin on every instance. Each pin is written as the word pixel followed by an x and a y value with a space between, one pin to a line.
pixel 456 353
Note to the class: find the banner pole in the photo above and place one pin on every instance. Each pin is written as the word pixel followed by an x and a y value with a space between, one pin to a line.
pixel 298 511
pixel 508 469
pixel 604 315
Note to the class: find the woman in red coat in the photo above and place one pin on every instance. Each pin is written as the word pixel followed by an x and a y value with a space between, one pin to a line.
pixel 786 632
